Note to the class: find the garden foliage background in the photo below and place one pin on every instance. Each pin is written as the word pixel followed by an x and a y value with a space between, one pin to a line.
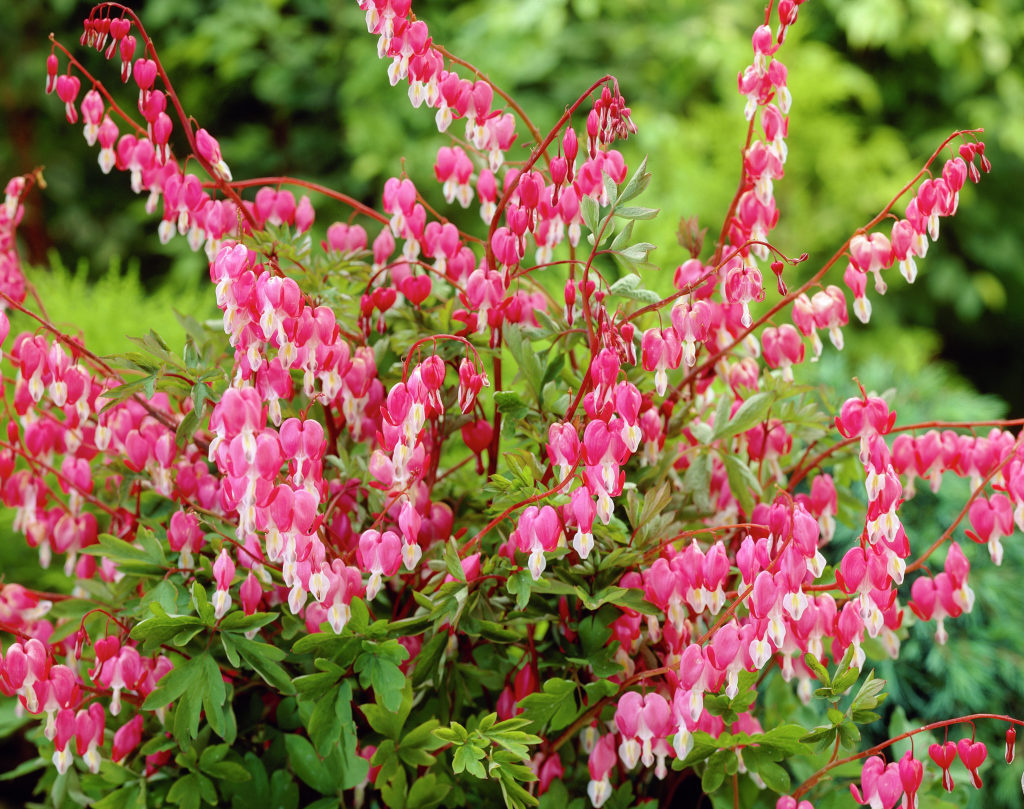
pixel 294 88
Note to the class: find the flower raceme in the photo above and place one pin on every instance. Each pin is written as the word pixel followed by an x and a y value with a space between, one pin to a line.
pixel 636 504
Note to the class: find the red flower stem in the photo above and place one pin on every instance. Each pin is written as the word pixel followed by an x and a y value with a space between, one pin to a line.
pixel 945 723
pixel 186 121
pixel 728 612
pixel 433 339
pixel 505 96
pixel 801 469
pixel 355 204
pixel 652 307
pixel 515 506
pixel 736 197
pixel 920 561
pixel 705 530
pixel 534 157
pixel 99 87
pixel 595 709
pixel 35 462
pixel 495 447
pixel 816 278
pixel 77 349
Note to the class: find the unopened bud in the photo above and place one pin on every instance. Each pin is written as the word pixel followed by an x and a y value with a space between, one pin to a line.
pixel 777 269
pixel 1011 744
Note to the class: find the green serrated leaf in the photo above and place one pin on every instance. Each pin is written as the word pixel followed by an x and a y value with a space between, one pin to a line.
pixel 386 722
pixel 428 658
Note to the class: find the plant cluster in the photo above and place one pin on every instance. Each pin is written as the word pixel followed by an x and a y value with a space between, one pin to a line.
pixel 461 510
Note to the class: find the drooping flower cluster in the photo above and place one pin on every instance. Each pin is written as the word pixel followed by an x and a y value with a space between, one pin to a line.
pixel 308 495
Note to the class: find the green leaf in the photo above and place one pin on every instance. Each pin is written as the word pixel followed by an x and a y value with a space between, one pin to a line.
pixel 453 734
pixel 623 237
pixel 24 768
pixel 554 706
pixel 525 357
pixel 185 792
pixel 637 254
pixel 636 184
pixel 422 736
pixel 386 722
pixel 784 739
pixel 819 670
pixel 186 428
pixel 185 676
pixel 509 404
pixel 426 792
pixel 629 286
pixel 849 735
pixel 821 738
pixel 844 681
pixel 452 562
pixel 202 604
pixel 714 771
pixel 126 797
pixel 381 672
pixel 774 776
pixel 331 711
pixel 591 212
pixel 238 621
pixel 228 771
pixel 214 695
pixel 697 480
pixel 393 784
pixel 554 367
pixel 130 558
pixel 467 758
pixel 428 658
pixel 284 792
pixel 636 212
pixel 307 765
pixel 521 586
pixel 870 694
pixel 753 411
pixel 263 658
pixel 742 481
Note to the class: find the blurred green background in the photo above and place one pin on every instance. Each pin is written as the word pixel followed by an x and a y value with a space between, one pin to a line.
pixel 295 88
